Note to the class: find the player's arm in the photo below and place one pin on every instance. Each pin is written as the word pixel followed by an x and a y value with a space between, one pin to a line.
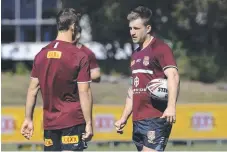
pixel 173 81
pixel 32 92
pixel 128 106
pixel 31 98
pixel 86 101
pixel 126 112
pixel 83 81
pixel 168 63
pixel 96 75
pixel 95 70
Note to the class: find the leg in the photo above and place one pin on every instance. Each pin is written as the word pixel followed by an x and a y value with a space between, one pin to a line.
pixel 71 138
pixel 52 140
pixel 139 147
pixel 156 137
pixel 138 137
pixel 148 149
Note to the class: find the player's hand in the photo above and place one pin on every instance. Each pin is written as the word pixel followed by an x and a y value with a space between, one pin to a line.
pixel 88 133
pixel 27 129
pixel 170 114
pixel 119 125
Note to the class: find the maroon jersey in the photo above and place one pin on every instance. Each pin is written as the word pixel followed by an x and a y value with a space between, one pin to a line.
pixel 91 57
pixel 147 64
pixel 59 67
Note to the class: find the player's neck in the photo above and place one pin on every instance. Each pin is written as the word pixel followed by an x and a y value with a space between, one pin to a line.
pixel 147 41
pixel 64 36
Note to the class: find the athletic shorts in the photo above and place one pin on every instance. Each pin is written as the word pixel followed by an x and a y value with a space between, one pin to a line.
pixel 152 133
pixel 65 139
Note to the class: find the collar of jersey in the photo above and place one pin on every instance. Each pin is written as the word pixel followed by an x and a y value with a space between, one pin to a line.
pixel 151 41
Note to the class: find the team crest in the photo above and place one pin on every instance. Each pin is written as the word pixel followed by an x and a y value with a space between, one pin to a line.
pixel 151 136
pixel 133 62
pixel 146 60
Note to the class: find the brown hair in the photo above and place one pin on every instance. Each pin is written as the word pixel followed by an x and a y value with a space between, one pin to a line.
pixel 141 12
pixel 67 17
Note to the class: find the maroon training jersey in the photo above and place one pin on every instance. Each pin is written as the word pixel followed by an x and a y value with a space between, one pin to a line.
pixel 91 57
pixel 147 64
pixel 59 67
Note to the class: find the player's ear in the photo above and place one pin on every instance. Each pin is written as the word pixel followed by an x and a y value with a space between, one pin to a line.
pixel 72 28
pixel 148 28
pixel 78 35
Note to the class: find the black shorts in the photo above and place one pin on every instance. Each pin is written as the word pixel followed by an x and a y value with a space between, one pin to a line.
pixel 65 139
pixel 152 133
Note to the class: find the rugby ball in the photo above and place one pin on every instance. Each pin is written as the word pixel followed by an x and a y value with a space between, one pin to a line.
pixel 158 89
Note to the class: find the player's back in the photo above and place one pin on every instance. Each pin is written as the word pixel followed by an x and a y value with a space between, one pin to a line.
pixel 57 68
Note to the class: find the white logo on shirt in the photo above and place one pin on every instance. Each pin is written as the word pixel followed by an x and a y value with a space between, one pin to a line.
pixel 136 81
pixel 138 60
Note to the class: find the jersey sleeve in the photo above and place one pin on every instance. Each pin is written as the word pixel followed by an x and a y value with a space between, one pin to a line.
pixel 93 61
pixel 84 72
pixel 34 72
pixel 165 57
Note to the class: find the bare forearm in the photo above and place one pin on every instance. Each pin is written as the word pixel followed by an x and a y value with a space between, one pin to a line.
pixel 30 104
pixel 128 106
pixel 90 96
pixel 86 105
pixel 127 110
pixel 173 89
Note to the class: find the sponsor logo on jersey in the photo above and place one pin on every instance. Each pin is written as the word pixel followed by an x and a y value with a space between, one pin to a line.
pixel 146 60
pixel 136 81
pixel 54 54
pixel 138 60
pixel 139 90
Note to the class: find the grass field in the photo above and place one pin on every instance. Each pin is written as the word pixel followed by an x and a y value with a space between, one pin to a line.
pixel 14 90
pixel 131 147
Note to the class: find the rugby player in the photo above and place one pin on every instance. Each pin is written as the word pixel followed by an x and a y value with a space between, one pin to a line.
pixel 94 67
pixel 152 119
pixel 61 71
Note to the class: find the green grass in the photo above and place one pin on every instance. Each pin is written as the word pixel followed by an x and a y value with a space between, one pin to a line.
pixel 14 89
pixel 131 147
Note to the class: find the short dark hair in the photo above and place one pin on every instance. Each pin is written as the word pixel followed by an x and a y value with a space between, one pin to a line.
pixel 143 13
pixel 67 17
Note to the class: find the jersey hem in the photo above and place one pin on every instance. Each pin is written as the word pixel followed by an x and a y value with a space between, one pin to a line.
pixel 142 118
pixel 84 82
pixel 63 127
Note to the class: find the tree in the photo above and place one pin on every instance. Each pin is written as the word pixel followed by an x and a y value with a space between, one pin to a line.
pixel 198 25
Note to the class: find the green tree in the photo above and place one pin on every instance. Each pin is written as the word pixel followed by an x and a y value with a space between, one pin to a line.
pixel 197 26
